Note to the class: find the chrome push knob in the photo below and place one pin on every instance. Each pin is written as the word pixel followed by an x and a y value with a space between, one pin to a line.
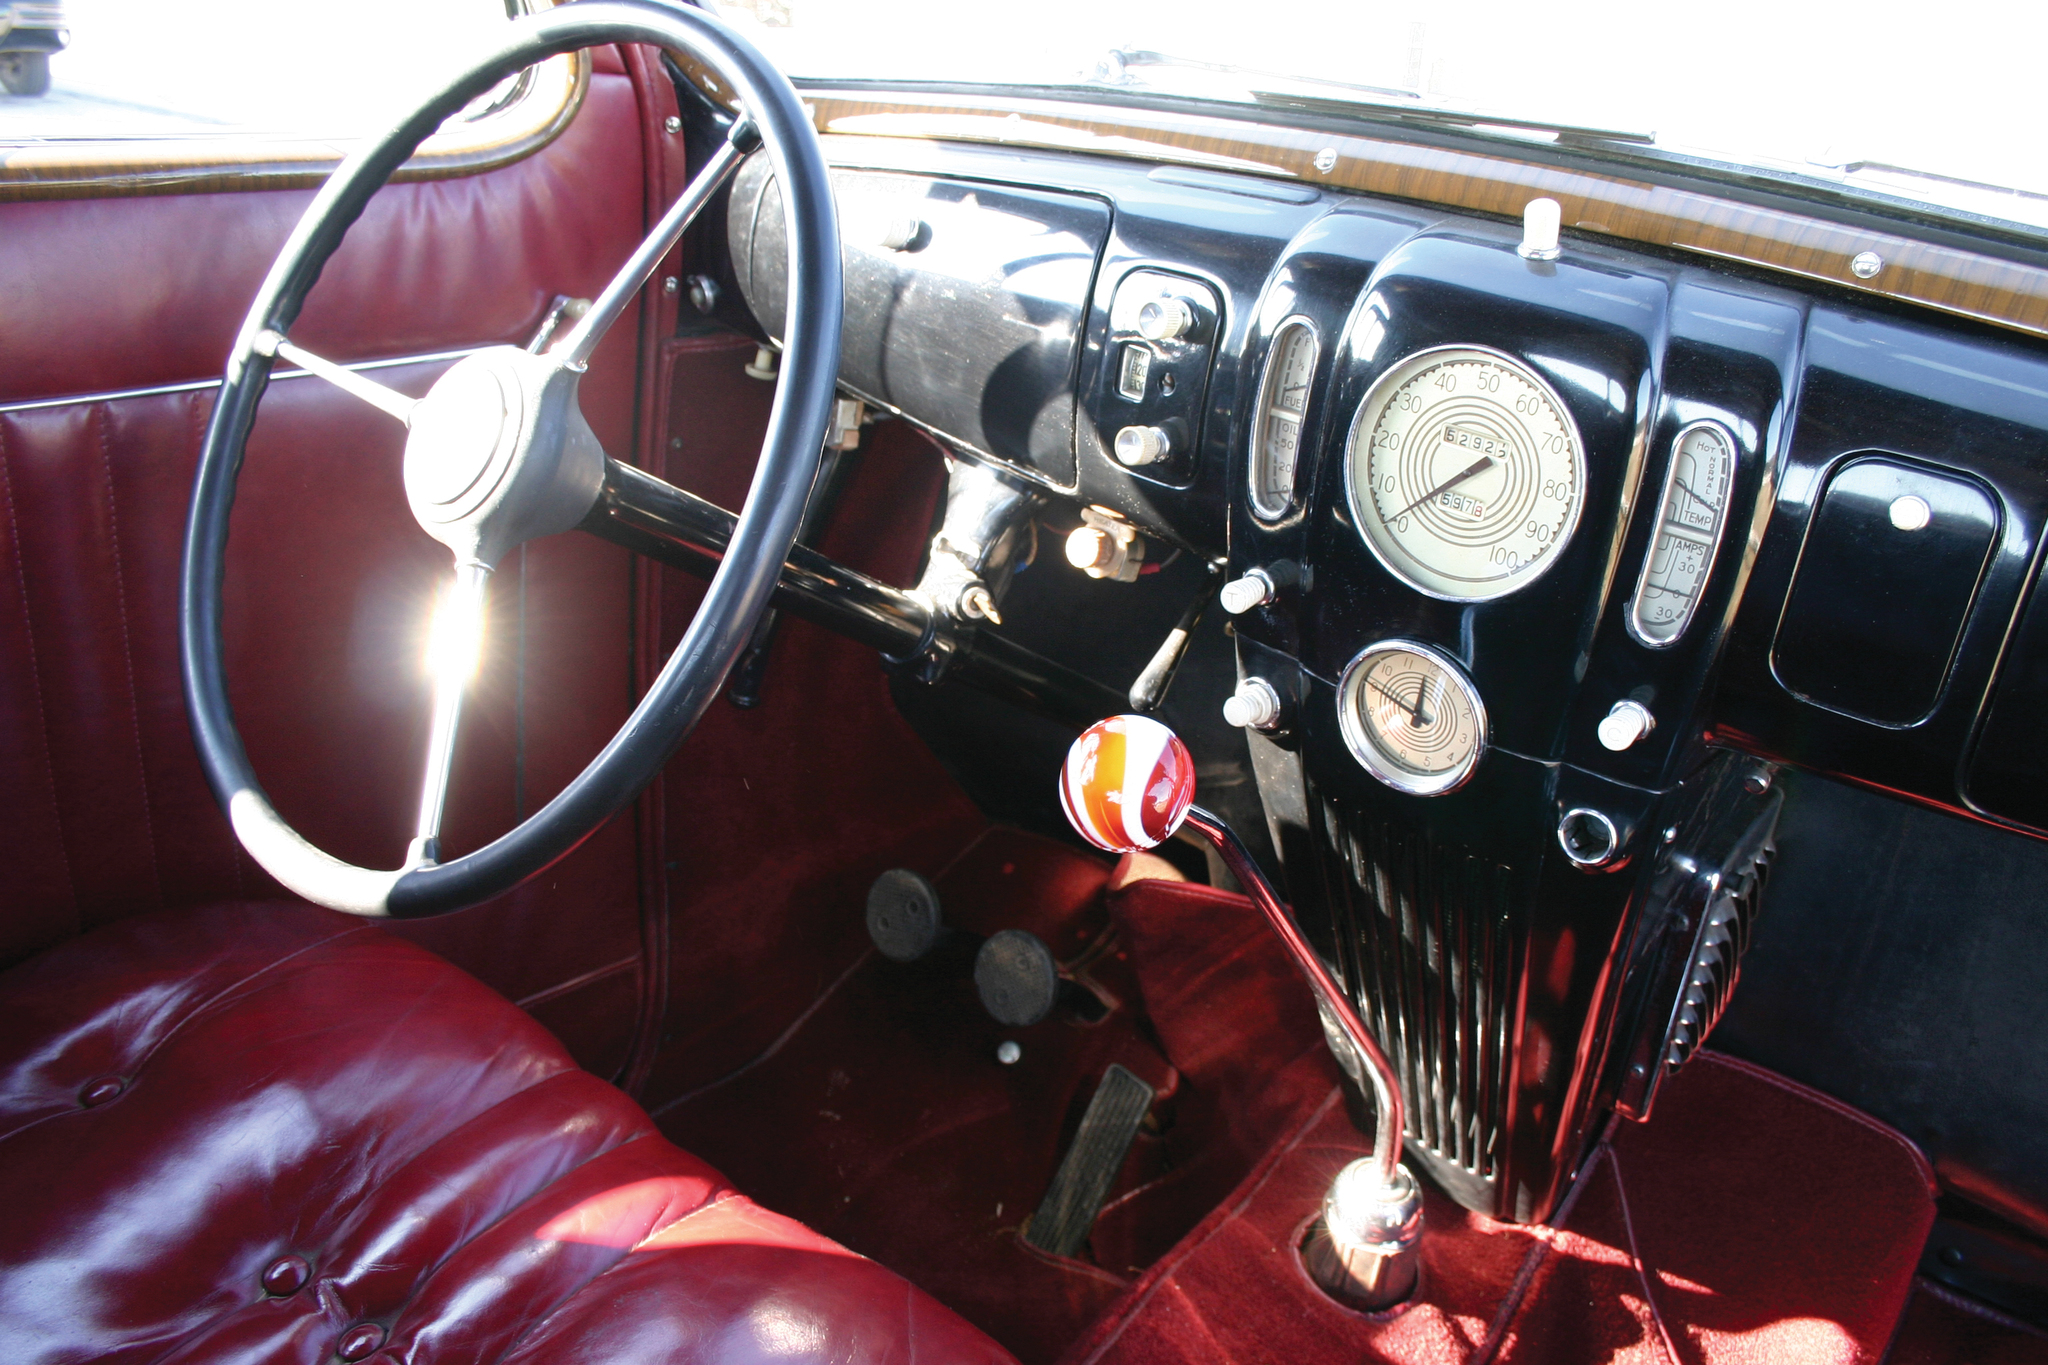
pixel 1254 706
pixel 1240 595
pixel 1165 319
pixel 1127 785
pixel 900 233
pixel 1142 445
pixel 1625 723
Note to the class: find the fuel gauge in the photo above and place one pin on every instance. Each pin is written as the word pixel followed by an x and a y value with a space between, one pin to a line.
pixel 1689 523
pixel 1276 429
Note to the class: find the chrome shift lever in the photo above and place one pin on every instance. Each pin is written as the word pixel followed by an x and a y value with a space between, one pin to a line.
pixel 1128 784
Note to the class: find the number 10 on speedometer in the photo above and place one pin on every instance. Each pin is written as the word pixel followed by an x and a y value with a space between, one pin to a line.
pixel 1465 473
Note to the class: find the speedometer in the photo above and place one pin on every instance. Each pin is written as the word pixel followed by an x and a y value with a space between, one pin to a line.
pixel 1465 473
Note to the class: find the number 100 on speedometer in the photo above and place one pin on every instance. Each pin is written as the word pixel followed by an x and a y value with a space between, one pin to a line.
pixel 1465 473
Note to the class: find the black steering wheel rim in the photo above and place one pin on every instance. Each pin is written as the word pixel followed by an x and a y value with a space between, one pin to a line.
pixel 761 541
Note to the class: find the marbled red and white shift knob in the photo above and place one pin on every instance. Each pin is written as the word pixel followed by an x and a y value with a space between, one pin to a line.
pixel 1127 784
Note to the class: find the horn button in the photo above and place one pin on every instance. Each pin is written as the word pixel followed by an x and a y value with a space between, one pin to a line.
pixel 465 433
pixel 499 453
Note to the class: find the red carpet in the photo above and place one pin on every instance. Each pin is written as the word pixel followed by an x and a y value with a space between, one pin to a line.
pixel 1752 1221
pixel 1942 1328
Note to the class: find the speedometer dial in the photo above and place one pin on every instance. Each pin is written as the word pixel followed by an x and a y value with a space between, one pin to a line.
pixel 1465 472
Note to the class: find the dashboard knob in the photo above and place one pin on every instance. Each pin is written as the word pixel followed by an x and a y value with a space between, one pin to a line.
pixel 1090 548
pixel 1240 595
pixel 1541 219
pixel 900 234
pixel 1127 784
pixel 1164 319
pixel 1624 724
pixel 1142 445
pixel 1254 706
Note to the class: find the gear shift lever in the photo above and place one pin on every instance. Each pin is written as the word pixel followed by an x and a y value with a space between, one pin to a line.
pixel 1127 785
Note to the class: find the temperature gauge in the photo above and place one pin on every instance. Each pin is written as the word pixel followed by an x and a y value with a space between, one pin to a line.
pixel 1276 433
pixel 1689 522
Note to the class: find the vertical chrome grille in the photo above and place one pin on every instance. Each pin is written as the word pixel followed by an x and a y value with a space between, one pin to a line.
pixel 1425 945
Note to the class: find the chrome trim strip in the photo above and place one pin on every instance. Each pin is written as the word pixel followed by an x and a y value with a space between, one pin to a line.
pixel 195 385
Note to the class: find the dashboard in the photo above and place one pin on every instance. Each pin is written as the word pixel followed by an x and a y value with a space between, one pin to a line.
pixel 1537 567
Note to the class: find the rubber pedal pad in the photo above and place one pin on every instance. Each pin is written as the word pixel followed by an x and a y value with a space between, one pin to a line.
pixel 1066 1216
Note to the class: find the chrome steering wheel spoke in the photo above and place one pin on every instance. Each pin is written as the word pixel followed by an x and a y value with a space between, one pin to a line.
pixel 574 350
pixel 348 381
pixel 452 653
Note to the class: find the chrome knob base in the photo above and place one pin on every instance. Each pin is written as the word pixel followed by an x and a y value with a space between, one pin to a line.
pixel 1365 1249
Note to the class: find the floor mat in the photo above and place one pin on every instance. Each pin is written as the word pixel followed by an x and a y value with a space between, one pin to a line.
pixel 885 1121
pixel 1944 1328
pixel 1751 1221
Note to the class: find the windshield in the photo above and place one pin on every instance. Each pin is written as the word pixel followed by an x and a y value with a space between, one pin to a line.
pixel 1936 106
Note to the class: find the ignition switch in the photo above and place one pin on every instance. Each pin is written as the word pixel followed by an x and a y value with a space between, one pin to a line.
pixel 1104 545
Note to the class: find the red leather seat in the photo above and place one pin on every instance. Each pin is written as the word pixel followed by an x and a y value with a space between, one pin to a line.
pixel 269 1132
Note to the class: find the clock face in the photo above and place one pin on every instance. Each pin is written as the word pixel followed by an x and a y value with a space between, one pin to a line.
pixel 1411 717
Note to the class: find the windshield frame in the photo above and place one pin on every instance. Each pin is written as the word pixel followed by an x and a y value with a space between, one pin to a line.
pixel 1425 127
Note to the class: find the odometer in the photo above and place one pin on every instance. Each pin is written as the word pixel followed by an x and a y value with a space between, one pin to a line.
pixel 1465 473
pixel 1283 404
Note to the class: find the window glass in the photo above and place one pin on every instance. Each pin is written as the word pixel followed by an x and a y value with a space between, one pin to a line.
pixel 1937 104
pixel 323 69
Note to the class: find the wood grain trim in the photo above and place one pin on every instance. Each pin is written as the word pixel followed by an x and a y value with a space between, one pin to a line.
pixel 117 169
pixel 1965 283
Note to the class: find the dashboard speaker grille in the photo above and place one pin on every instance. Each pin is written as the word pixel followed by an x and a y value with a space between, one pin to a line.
pixel 1425 945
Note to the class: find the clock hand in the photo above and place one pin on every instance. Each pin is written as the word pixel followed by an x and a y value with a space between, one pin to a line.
pixel 1414 715
pixel 1414 708
pixel 1478 466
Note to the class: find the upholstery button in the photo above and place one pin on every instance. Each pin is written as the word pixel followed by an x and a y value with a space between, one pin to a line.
pixel 286 1276
pixel 102 1090
pixel 360 1340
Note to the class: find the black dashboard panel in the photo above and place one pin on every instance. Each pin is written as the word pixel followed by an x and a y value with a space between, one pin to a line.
pixel 1639 346
pixel 1954 401
pixel 1884 586
pixel 964 301
pixel 1512 976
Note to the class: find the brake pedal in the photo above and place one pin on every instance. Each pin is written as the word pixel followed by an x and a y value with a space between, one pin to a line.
pixel 1066 1216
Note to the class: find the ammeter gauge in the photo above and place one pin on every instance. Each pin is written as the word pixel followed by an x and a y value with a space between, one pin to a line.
pixel 1465 473
pixel 1690 518
pixel 1411 717
pixel 1283 402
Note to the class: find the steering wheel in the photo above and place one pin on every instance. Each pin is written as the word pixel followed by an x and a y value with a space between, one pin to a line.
pixel 498 453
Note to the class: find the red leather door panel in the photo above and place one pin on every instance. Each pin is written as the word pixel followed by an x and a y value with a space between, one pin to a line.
pixel 102 808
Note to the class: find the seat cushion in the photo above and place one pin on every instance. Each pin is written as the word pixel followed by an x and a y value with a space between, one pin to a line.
pixel 265 1132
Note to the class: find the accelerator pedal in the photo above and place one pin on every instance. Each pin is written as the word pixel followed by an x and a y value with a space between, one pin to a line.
pixel 1066 1215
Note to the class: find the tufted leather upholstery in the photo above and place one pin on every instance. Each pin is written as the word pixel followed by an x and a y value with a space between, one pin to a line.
pixel 264 1132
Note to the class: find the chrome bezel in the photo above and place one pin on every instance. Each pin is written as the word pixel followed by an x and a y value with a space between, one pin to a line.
pixel 1582 860
pixel 1362 517
pixel 1255 454
pixel 1635 602
pixel 1351 725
